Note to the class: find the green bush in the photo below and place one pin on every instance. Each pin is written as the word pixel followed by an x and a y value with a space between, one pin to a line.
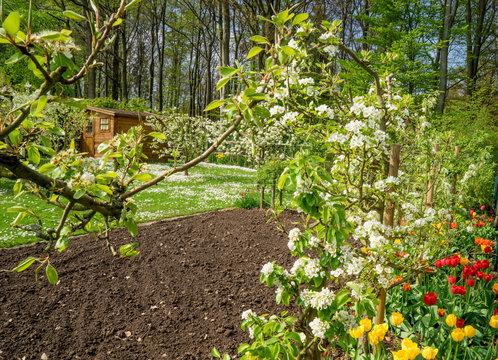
pixel 247 201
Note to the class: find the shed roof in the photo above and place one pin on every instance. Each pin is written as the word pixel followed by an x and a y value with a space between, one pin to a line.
pixel 119 112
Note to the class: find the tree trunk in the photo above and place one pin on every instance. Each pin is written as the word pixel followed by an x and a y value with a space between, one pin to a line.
pixel 124 64
pixel 450 10
pixel 152 61
pixel 115 68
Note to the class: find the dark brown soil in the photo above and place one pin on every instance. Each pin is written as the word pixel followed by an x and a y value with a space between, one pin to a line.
pixel 181 296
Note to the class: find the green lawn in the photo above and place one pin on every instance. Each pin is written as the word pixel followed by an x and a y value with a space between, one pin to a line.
pixel 208 187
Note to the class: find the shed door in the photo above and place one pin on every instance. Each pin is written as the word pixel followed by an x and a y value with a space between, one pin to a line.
pixel 88 138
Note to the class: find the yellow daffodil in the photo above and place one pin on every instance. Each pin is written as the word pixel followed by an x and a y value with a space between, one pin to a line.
pixel 367 324
pixel 469 331
pixel 397 318
pixel 451 320
pixel 493 322
pixel 457 334
pixel 357 333
pixel 429 353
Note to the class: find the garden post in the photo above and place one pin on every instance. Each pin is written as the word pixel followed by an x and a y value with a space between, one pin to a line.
pixel 388 221
pixel 429 200
pixel 455 175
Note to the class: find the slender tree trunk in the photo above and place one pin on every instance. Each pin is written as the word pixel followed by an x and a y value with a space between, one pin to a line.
pixel 124 64
pixel 152 61
pixel 450 10
pixel 115 68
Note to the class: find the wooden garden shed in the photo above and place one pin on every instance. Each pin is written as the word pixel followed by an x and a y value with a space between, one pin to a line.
pixel 103 124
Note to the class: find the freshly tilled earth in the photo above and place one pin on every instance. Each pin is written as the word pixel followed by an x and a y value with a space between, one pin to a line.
pixel 179 298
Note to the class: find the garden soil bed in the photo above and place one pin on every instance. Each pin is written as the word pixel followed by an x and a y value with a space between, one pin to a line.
pixel 181 296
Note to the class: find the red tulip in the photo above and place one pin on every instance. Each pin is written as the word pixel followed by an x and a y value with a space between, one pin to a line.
pixel 460 323
pixel 488 277
pixel 430 299
pixel 480 274
pixel 483 207
pixel 484 264
pixel 487 249
pixel 406 287
pixel 451 279
pixel 471 282
pixel 496 312
pixel 439 264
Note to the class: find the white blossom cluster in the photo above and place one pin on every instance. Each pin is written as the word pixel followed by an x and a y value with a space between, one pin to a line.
pixel 346 319
pixel 267 269
pixel 317 299
pixel 294 235
pixel 319 327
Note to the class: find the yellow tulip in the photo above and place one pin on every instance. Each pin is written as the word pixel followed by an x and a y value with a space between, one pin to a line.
pixel 400 355
pixel 367 324
pixel 451 320
pixel 493 322
pixel 464 261
pixel 397 241
pixel 429 353
pixel 495 288
pixel 374 339
pixel 397 318
pixel 457 334
pixel 356 333
pixel 469 331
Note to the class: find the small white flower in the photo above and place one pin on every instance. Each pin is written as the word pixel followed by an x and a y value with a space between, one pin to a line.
pixel 319 327
pixel 267 269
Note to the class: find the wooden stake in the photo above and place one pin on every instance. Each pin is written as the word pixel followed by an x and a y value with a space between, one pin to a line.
pixel 429 200
pixel 455 176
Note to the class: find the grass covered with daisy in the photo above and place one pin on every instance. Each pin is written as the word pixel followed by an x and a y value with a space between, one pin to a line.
pixel 207 187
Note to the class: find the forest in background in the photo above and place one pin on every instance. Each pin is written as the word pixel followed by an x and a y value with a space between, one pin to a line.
pixel 165 53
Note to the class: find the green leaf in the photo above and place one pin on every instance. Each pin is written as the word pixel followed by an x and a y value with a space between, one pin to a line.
pixel 125 249
pixel 132 227
pixel 254 51
pixel 74 16
pixel 34 155
pixel 79 194
pixel 215 353
pixel 131 3
pixel 105 189
pixel 214 104
pixel 17 208
pixel 299 19
pixel 222 82
pixel 18 186
pixel 158 135
pixel 226 357
pixel 117 22
pixel 62 243
pixel 288 50
pixel 260 39
pixel 11 24
pixel 15 58
pixel 18 218
pixel 51 274
pixel 143 177
pixel 227 71
pixel 46 168
pixel 23 265
pixel 38 106
pixel 262 111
